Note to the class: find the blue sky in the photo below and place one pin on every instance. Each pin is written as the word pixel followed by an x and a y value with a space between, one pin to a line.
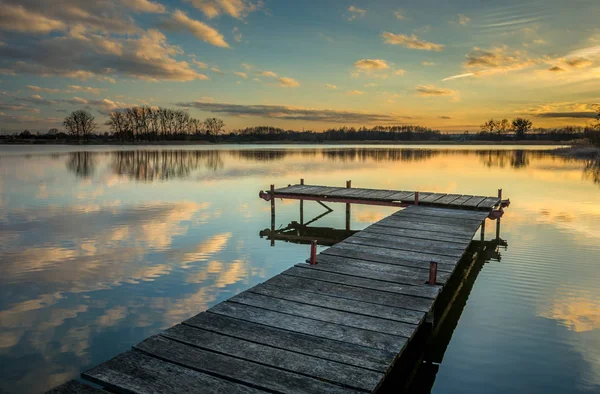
pixel 302 64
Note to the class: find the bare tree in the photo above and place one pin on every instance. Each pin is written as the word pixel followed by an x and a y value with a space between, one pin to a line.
pixel 213 126
pixel 490 126
pixel 79 124
pixel 503 126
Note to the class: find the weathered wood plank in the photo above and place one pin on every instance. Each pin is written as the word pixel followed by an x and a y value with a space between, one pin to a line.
pixel 308 326
pixel 467 223
pixel 409 244
pixel 342 352
pixel 447 199
pixel 462 230
pixel 364 253
pixel 403 255
pixel 379 194
pixel 432 198
pixel 235 369
pixel 412 198
pixel 419 234
pixel 327 315
pixel 460 200
pixel 411 290
pixel 489 202
pixel 372 270
pixel 445 212
pixel 352 293
pixel 353 306
pixel 136 372
pixel 315 367
pixel 75 387
pixel 398 196
pixel 473 201
pixel 292 189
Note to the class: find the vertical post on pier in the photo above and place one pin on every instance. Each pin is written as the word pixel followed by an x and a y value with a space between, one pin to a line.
pixel 302 181
pixel 432 273
pixel 272 193
pixel 483 230
pixel 302 205
pixel 498 220
pixel 416 198
pixel 348 186
pixel 313 252
pixel 500 195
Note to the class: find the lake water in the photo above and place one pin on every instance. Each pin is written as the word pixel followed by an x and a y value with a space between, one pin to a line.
pixel 101 247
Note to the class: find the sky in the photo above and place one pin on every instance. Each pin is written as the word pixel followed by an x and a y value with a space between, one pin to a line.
pixel 302 64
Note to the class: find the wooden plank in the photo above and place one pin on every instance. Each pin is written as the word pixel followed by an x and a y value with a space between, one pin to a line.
pixel 235 369
pixel 136 372
pixel 363 253
pixel 75 387
pixel 315 367
pixel 411 290
pixel 398 196
pixel 447 199
pixel 406 222
pixel 489 203
pixel 352 293
pixel 341 352
pixel 412 198
pixel 374 270
pixel 460 200
pixel 419 234
pixel 347 319
pixel 432 198
pixel 408 244
pixel 473 201
pixel 402 255
pixel 354 306
pixel 445 212
pixel 464 223
pixel 308 326
pixel 379 194
pixel 292 189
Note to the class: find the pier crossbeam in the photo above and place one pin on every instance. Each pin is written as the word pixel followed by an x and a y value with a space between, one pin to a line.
pixel 336 326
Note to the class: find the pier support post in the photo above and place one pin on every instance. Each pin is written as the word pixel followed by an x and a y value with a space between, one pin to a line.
pixel 302 181
pixel 432 273
pixel 272 215
pixel 416 198
pixel 483 230
pixel 313 253
pixel 348 186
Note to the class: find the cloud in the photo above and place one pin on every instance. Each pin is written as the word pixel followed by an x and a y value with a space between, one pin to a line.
pixel 400 71
pixel 241 74
pixel 237 35
pixel 288 82
pixel 574 115
pixel 198 63
pixel 37 99
pixel 40 89
pixel 269 74
pixel 247 67
pixel 146 56
pixel 371 64
pixel 426 64
pixel 556 69
pixel 462 19
pixel 217 70
pixel 411 41
pixel 573 110
pixel 144 6
pixel 355 92
pixel 370 85
pixel 578 62
pixel 445 117
pixel 330 86
pixel 291 113
pixel 356 12
pixel 458 76
pixel 18 18
pixel 492 61
pixel 85 89
pixel 432 91
pixel 399 14
pixel 238 9
pixel 180 21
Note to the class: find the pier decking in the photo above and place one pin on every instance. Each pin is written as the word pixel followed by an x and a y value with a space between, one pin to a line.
pixel 337 326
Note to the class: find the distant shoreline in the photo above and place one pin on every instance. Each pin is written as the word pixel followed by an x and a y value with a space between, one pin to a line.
pixel 359 142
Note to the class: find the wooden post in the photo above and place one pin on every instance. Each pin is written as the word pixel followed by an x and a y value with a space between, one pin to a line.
pixel 348 212
pixel 313 253
pixel 498 229
pixel 302 181
pixel 432 273
pixel 483 230
pixel 500 194
pixel 272 215
pixel 416 198
pixel 301 211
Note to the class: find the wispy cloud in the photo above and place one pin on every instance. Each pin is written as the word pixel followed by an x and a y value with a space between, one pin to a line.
pixel 432 91
pixel 238 9
pixel 180 21
pixel 287 82
pixel 465 75
pixel 241 74
pixel 18 18
pixel 411 41
pixel 428 64
pixel 557 69
pixel 85 89
pixel 40 89
pixel 371 64
pixel 461 19
pixel 399 14
pixel 292 113
pixel 355 92
pixel 144 6
pixel 330 86
pixel 237 35
pixel 356 12
pixel 579 62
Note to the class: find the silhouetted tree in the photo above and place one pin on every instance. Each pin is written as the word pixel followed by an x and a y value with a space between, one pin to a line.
pixel 521 126
pixel 79 124
pixel 490 126
pixel 503 126
pixel 213 126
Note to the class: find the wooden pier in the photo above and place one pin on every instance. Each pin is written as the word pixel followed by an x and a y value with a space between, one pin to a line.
pixel 336 326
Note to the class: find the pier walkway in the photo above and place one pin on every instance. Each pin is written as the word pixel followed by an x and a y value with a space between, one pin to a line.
pixel 337 326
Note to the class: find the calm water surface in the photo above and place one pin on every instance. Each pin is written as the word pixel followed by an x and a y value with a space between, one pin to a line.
pixel 102 248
